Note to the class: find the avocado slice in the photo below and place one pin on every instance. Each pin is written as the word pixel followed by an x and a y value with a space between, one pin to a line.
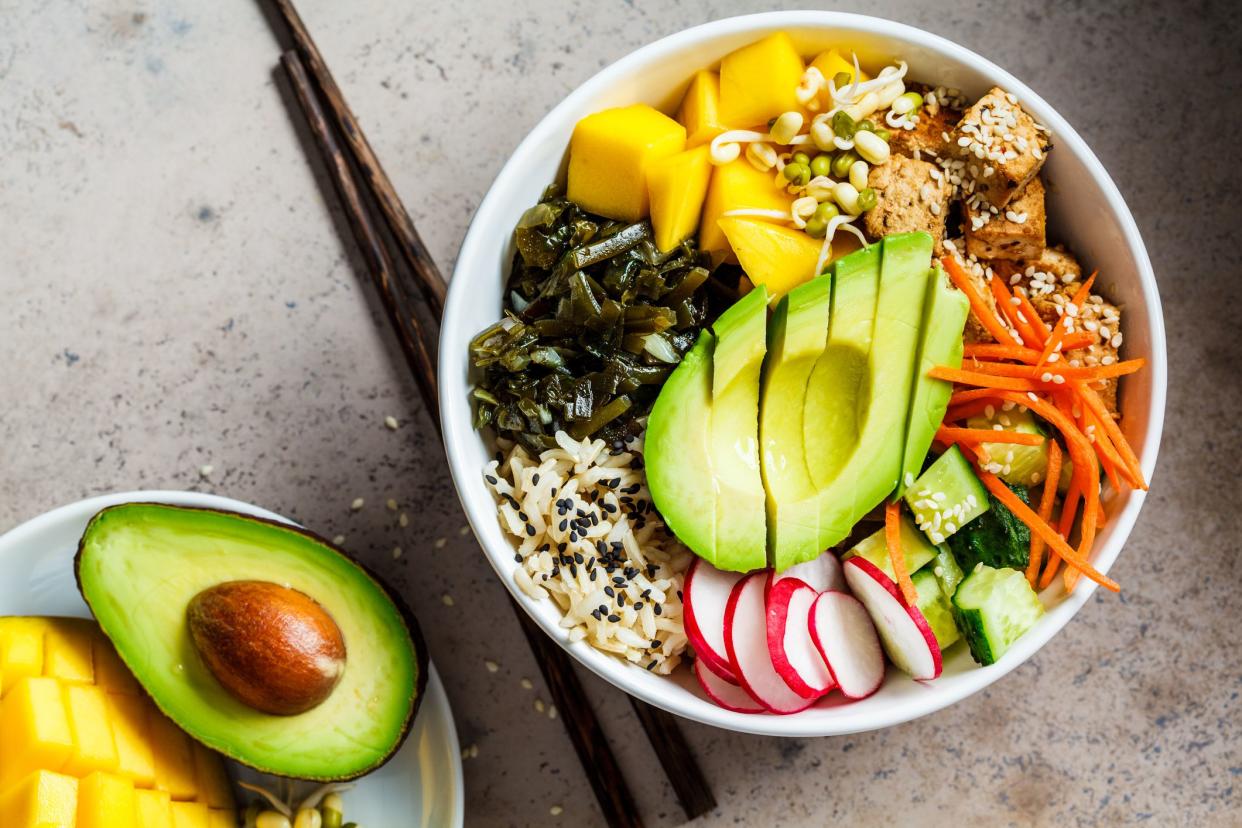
pixel 678 451
pixel 741 341
pixel 797 337
pixel 865 469
pixel 138 567
pixel 944 318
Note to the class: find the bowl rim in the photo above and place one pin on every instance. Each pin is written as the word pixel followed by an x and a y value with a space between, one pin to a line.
pixel 458 429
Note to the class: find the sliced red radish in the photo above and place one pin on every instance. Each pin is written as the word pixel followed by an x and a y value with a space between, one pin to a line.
pixel 729 696
pixel 746 640
pixel 820 574
pixel 705 595
pixel 794 655
pixel 907 637
pixel 844 635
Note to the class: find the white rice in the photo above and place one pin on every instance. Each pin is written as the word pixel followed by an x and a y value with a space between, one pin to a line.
pixel 584 526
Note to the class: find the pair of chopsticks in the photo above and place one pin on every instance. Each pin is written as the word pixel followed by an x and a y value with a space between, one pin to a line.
pixel 405 278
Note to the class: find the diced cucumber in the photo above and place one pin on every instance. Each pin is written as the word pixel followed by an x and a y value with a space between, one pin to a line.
pixel 944 567
pixel 914 547
pixel 994 608
pixel 946 496
pixel 1020 465
pixel 935 608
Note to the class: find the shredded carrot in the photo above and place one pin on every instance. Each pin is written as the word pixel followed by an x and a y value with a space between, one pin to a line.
pixel 892 537
pixel 1129 460
pixel 1046 502
pixel 967 410
pixel 989 381
pixel 982 312
pixel 1069 510
pixel 1057 369
pixel 948 434
pixel 1018 321
pixel 1055 341
pixel 1037 324
pixel 994 350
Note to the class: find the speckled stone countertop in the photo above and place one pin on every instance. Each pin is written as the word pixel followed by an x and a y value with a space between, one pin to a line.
pixel 175 293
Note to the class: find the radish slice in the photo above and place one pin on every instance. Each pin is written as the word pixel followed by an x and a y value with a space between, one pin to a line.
pixel 746 639
pixel 907 637
pixel 820 574
pixel 729 696
pixel 846 638
pixel 794 655
pixel 705 596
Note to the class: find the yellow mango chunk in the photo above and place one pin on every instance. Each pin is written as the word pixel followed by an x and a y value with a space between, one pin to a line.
pixel 759 81
pixel 609 155
pixel 42 800
pixel 771 254
pixel 67 650
pixel 21 648
pixel 174 759
pixel 128 715
pixel 110 672
pixel 34 730
pixel 699 112
pixel 154 810
pixel 190 815
pixel 678 187
pixel 829 63
pixel 737 186
pixel 93 746
pixel 210 778
pixel 105 801
pixel 217 818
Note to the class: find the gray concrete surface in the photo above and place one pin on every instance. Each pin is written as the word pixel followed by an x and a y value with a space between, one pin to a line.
pixel 174 292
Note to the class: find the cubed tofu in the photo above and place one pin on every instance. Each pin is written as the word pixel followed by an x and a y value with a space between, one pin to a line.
pixel 736 186
pixel 154 809
pixel 128 715
pixel 43 799
pixel 609 154
pixel 678 186
pixel 931 137
pixel 1096 316
pixel 105 801
pixel 67 650
pixel 190 815
pixel 699 112
pixel 21 648
pixel 174 758
pixel 210 778
pixel 35 730
pixel 760 81
pixel 1016 233
pixel 1004 143
pixel 94 748
pixel 1056 262
pixel 910 196
pixel 772 254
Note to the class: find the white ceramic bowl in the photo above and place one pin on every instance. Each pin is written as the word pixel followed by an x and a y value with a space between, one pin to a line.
pixel 1085 209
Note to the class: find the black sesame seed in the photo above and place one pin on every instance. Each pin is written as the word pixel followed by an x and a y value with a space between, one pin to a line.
pixel 609 592
pixel 535 478
pixel 561 547
pixel 614 618
pixel 563 525
pixel 491 480
pixel 573 537
pixel 651 666
pixel 517 557
pixel 609 508
pixel 530 530
pixel 638 605
pixel 603 608
pixel 593 574
pixel 523 516
pixel 578 557
pixel 658 609
pixel 595 614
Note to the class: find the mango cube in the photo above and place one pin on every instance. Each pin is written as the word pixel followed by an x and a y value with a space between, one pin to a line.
pixel 737 186
pixel 35 730
pixel 42 800
pixel 174 759
pixel 220 818
pixel 771 254
pixel 829 63
pixel 105 801
pixel 699 112
pixel 210 779
pixel 134 759
pixel 67 651
pixel 678 187
pixel 111 674
pixel 609 155
pixel 190 815
pixel 94 749
pixel 759 82
pixel 154 809
pixel 21 648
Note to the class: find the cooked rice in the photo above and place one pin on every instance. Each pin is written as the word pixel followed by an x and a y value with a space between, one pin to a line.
pixel 589 538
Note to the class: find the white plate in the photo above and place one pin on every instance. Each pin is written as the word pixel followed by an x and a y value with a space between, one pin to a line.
pixel 420 786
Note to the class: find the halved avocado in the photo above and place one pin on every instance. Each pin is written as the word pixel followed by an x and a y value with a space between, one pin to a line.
pixel 139 565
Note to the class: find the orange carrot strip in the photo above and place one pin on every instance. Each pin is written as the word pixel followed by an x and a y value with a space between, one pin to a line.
pixel 1046 502
pixel 948 434
pixel 1037 324
pixel 967 410
pixel 982 312
pixel 1069 510
pixel 1130 461
pixel 957 375
pixel 892 538
pixel 1055 341
pixel 1004 303
pixel 993 350
pixel 1076 340
pixel 1053 369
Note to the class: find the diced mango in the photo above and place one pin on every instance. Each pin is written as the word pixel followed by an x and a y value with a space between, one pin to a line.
pixel 154 809
pixel 737 186
pixel 758 82
pixel 67 650
pixel 210 778
pixel 42 800
pixel 105 801
pixel 678 187
pixel 699 112
pixel 174 760
pixel 771 254
pixel 217 818
pixel 110 672
pixel 190 815
pixel 21 648
pixel 128 715
pixel 609 155
pixel 94 749
pixel 829 63
pixel 35 730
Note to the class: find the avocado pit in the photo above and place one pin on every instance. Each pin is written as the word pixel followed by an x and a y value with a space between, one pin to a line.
pixel 273 648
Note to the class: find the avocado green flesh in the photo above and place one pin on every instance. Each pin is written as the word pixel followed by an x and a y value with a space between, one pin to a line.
pixel 944 318
pixel 799 332
pixel 140 564
pixel 678 451
pixel 741 341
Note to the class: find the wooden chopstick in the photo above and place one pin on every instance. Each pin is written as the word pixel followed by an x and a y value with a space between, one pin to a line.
pixel 602 769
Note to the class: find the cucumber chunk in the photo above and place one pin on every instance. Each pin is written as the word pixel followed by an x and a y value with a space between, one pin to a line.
pixel 946 570
pixel 917 551
pixel 994 608
pixel 946 496
pixel 935 608
pixel 1020 465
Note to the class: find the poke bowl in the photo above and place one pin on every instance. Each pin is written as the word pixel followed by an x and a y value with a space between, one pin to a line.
pixel 693 672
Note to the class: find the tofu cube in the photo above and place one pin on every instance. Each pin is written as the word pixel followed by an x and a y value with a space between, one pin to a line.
pixel 910 196
pixel 1004 144
pixel 931 137
pixel 1016 232
pixel 609 154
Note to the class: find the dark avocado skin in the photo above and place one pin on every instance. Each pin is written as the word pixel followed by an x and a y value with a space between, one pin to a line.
pixel 407 616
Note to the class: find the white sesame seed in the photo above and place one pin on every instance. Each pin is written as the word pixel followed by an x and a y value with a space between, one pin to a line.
pixel 391 423
pixel 909 478
pixel 1057 379
pixel 1116 341
pixel 1046 376
pixel 1107 359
